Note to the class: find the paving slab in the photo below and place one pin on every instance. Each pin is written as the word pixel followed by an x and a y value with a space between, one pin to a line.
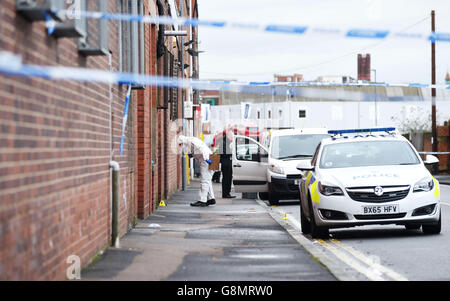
pixel 235 240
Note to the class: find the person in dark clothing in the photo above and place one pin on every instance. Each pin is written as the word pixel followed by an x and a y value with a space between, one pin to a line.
pixel 216 177
pixel 226 163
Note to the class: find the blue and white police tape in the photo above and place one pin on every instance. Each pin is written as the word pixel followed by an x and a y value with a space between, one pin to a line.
pixel 434 153
pixel 125 119
pixel 11 64
pixel 361 33
pixel 50 23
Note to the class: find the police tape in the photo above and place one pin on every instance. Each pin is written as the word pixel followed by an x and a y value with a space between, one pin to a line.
pixel 434 153
pixel 360 33
pixel 125 119
pixel 11 64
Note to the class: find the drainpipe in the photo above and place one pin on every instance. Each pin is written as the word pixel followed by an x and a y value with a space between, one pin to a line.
pixel 115 203
pixel 114 173
pixel 183 157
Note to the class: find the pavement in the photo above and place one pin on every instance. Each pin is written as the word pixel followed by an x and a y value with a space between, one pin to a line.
pixel 235 240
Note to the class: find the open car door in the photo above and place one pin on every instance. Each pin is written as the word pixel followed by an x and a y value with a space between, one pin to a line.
pixel 249 165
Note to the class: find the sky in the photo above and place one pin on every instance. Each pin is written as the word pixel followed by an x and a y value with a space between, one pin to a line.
pixel 250 55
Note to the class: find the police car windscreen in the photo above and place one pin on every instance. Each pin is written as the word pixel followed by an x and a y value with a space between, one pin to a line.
pixel 296 146
pixel 367 153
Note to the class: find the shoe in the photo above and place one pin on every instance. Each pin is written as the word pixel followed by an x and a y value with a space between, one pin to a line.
pixel 199 204
pixel 228 197
pixel 211 202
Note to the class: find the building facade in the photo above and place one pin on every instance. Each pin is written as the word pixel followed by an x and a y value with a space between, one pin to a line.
pixel 57 138
pixel 364 67
pixel 295 78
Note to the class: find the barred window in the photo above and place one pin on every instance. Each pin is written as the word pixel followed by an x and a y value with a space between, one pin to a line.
pixel 96 38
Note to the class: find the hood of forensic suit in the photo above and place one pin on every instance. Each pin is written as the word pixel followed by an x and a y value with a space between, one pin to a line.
pixel 195 146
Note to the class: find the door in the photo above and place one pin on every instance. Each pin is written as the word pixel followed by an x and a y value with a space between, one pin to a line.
pixel 249 165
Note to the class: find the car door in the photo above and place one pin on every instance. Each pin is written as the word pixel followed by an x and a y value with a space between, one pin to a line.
pixel 249 165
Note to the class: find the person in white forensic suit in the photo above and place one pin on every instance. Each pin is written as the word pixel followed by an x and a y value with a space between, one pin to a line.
pixel 200 151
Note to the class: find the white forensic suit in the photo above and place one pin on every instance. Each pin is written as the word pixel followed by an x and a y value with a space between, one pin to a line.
pixel 200 151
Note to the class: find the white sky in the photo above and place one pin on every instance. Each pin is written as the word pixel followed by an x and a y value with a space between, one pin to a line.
pixel 253 55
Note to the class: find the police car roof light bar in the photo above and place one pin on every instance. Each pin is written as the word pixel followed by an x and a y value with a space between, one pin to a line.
pixel 353 131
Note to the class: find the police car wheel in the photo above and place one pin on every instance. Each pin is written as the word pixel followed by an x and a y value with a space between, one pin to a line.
pixel 432 229
pixel 316 231
pixel 306 227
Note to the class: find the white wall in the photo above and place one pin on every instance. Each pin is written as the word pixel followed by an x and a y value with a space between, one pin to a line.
pixel 329 114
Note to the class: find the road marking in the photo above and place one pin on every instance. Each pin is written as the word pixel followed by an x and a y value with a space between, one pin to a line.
pixel 371 274
pixel 332 264
pixel 370 261
pixel 368 266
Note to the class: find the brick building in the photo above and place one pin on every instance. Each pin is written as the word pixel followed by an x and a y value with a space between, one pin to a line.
pixel 57 138
pixel 364 67
pixel 443 134
pixel 296 78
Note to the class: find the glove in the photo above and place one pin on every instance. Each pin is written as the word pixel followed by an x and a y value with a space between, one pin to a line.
pixel 209 161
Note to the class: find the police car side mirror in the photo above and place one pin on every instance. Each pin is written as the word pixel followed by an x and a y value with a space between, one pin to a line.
pixel 305 166
pixel 430 159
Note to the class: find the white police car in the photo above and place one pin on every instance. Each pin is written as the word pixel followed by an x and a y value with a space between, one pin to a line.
pixel 369 176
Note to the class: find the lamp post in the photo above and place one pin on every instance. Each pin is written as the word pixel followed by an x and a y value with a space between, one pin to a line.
pixel 376 108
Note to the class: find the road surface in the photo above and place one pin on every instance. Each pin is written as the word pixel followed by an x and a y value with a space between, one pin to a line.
pixel 384 252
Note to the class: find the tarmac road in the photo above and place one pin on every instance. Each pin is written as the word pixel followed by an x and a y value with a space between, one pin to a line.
pixel 385 252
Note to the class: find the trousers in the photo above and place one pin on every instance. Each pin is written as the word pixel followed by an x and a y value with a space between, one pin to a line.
pixel 227 174
pixel 206 189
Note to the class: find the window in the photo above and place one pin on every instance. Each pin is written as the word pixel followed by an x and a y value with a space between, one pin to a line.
pixel 302 114
pixel 131 58
pixel 295 146
pixel 258 114
pixel 96 38
pixel 269 114
pixel 72 26
pixel 368 153
pixel 173 94
pixel 247 150
pixel 32 9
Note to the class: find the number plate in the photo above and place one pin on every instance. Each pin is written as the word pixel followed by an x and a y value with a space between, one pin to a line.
pixel 381 209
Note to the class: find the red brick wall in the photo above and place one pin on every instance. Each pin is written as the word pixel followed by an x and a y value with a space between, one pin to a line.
pixel 443 146
pixel 54 156
pixel 143 124
pixel 154 119
pixel 55 150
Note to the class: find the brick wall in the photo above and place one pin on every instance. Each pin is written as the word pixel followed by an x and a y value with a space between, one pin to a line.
pixel 56 145
pixel 443 146
pixel 54 156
